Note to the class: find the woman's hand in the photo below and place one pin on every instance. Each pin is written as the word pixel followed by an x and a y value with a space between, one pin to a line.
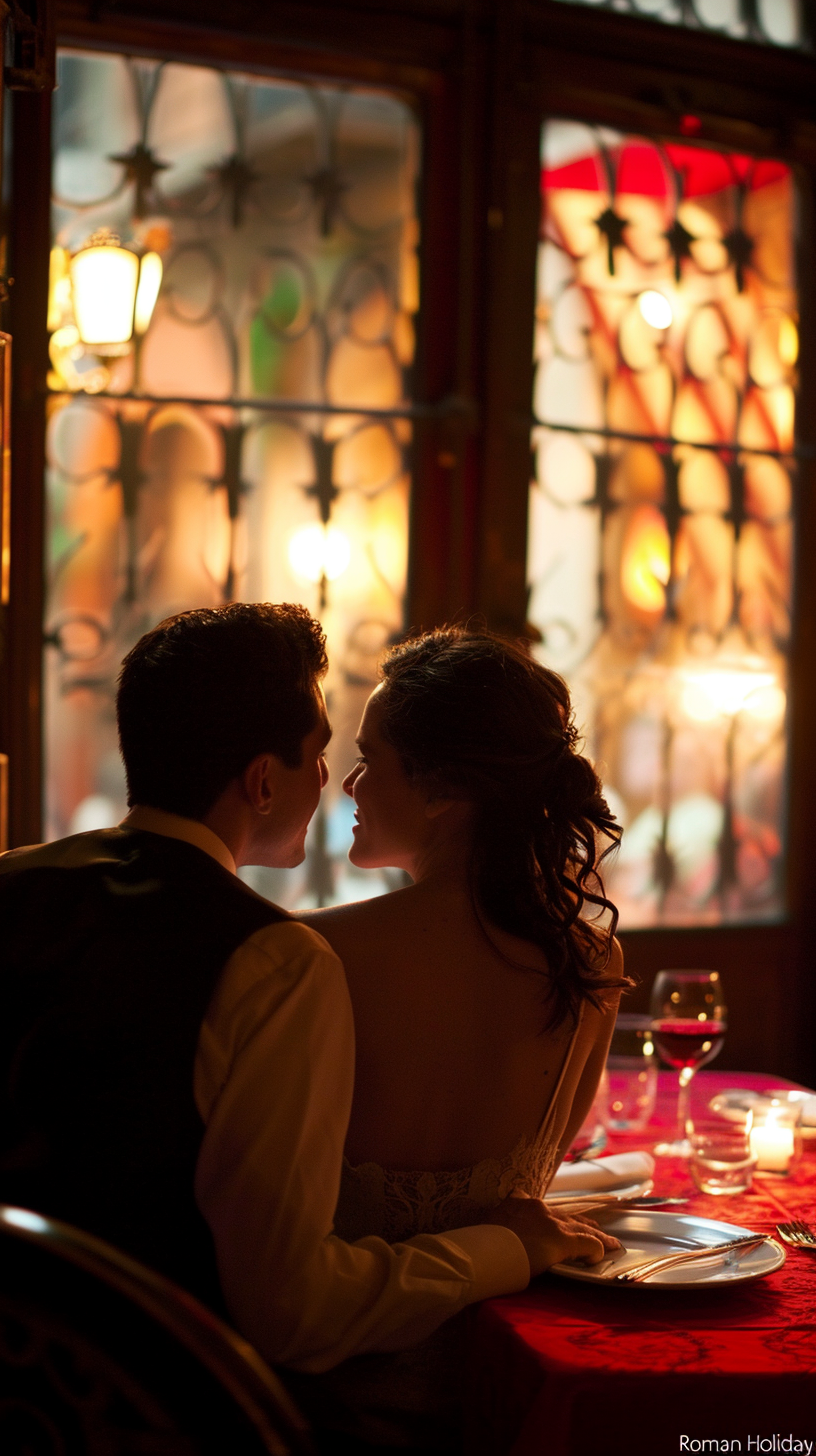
pixel 550 1238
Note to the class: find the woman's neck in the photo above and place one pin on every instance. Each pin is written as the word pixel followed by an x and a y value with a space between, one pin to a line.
pixel 443 865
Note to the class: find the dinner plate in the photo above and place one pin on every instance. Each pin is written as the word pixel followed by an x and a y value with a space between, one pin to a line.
pixel 646 1235
pixel 744 1098
pixel 580 1195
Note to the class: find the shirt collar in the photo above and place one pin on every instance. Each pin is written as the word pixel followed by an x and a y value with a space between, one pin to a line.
pixel 175 826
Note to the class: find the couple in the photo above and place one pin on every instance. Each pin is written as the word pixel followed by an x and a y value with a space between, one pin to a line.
pixel 178 1056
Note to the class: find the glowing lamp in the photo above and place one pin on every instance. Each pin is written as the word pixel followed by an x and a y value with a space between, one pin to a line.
pixel 724 692
pixel 646 561
pixel 655 308
pixel 114 292
pixel 319 553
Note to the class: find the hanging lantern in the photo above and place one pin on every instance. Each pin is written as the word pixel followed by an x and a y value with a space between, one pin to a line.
pixel 114 292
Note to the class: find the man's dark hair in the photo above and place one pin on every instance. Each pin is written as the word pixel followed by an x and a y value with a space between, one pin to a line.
pixel 206 691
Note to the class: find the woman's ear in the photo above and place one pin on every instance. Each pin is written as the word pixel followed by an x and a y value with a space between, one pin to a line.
pixel 436 807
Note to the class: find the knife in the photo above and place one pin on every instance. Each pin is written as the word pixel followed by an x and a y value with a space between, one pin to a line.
pixel 592 1204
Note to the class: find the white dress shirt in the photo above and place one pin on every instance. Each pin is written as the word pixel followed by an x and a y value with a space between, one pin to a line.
pixel 273 1082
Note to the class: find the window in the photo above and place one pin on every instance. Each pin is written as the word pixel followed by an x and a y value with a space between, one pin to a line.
pixel 660 515
pixel 771 22
pixel 254 442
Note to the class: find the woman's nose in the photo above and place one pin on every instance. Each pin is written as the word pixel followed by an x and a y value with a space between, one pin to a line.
pixel 350 780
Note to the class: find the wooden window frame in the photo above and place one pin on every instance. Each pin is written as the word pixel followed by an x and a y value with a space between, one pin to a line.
pixel 482 74
pixel 573 62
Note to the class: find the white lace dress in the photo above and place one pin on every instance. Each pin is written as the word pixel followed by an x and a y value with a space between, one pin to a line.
pixel 414 1398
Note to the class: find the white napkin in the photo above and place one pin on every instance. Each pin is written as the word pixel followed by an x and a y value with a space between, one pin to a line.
pixel 808 1106
pixel 602 1175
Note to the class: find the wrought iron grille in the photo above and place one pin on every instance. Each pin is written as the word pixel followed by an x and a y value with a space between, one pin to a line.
pixel 255 443
pixel 768 22
pixel 661 506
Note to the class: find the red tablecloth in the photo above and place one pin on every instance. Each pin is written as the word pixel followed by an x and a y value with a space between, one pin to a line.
pixel 568 1369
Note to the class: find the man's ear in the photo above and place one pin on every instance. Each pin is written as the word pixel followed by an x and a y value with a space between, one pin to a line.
pixel 259 782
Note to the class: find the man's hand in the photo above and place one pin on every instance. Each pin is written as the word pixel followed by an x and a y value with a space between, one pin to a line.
pixel 552 1239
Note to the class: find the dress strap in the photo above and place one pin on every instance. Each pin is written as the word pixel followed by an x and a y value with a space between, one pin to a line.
pixel 553 1102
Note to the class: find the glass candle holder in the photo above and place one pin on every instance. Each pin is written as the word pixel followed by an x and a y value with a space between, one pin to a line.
pixel 721 1158
pixel 776 1135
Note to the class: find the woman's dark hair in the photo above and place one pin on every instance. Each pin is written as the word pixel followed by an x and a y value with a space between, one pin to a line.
pixel 206 691
pixel 474 716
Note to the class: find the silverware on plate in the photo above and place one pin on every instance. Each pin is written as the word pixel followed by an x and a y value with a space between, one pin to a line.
pixel 590 1203
pixel 639 1272
pixel 799 1235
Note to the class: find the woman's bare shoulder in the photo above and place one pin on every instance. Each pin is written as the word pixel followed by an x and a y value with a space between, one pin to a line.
pixel 379 909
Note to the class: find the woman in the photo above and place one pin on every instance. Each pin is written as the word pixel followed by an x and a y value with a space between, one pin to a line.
pixel 483 998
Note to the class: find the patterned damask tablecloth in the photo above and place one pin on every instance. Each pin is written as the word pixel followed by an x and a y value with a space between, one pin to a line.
pixel 568 1369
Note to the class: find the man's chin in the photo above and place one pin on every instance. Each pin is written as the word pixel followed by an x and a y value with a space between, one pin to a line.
pixel 283 859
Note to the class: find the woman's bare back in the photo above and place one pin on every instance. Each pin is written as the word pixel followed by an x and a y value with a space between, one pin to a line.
pixel 453 1065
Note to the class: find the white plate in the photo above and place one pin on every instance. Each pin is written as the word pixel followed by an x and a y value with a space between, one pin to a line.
pixel 646 1235
pixel 582 1195
pixel 744 1098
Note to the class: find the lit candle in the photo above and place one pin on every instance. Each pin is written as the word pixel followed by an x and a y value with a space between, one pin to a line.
pixel 773 1145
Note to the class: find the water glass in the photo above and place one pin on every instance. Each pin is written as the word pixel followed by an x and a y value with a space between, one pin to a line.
pixel 721 1159
pixel 631 1074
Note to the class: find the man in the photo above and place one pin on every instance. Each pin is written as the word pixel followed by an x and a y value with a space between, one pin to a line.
pixel 176 1054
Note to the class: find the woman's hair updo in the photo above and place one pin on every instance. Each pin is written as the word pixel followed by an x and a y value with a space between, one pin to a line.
pixel 474 716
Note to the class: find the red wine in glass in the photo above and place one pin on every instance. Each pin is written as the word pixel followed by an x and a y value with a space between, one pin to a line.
pixel 688 1043
pixel 688 1025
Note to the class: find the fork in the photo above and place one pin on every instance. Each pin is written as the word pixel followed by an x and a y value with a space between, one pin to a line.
pixel 639 1272
pixel 799 1234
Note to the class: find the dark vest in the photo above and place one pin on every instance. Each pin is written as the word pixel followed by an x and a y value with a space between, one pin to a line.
pixel 111 945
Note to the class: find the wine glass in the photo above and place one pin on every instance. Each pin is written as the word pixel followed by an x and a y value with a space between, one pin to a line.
pixel 688 1025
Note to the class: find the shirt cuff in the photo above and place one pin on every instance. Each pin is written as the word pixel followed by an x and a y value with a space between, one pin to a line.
pixel 499 1259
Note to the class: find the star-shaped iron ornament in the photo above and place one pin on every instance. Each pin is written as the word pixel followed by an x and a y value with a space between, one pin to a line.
pixel 612 227
pixel 740 249
pixel 327 188
pixel 141 166
pixel 236 178
pixel 679 240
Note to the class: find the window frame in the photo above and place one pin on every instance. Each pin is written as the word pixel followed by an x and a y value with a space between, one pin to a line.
pixel 577 63
pixel 482 75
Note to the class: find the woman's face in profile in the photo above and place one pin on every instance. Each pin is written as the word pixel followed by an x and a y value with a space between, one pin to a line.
pixel 392 823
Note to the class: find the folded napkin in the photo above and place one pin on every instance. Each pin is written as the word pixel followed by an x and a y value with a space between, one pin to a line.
pixel 736 1100
pixel 602 1175
pixel 804 1099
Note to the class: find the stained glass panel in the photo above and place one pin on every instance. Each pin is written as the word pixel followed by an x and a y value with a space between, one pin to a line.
pixel 254 442
pixel 660 514
pixel 770 22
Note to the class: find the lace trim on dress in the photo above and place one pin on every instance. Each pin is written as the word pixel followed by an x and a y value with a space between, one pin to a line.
pixel 398 1204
